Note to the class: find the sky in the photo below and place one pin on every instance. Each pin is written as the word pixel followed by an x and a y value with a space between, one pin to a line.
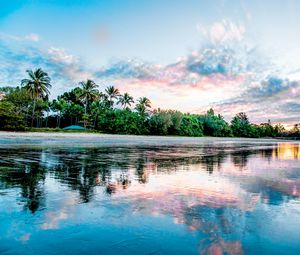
pixel 187 55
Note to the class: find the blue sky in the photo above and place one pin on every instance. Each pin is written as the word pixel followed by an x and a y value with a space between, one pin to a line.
pixel 188 55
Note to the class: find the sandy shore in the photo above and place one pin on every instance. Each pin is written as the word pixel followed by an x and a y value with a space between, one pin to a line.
pixel 92 139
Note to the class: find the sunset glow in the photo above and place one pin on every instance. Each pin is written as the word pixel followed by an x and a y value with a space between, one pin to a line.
pixel 229 55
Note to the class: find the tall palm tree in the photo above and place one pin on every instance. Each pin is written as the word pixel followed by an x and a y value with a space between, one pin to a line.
pixel 125 100
pixel 59 106
pixel 142 105
pixel 112 93
pixel 37 85
pixel 89 92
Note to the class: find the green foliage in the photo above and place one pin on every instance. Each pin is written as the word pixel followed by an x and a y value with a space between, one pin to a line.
pixel 38 83
pixel 99 111
pixel 215 125
pixel 191 126
pixel 10 118
pixel 142 107
pixel 112 93
pixel 241 126
pixel 122 122
pixel 125 100
pixel 160 122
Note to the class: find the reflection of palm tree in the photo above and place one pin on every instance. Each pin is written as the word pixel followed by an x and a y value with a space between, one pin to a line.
pixel 32 189
pixel 83 175
pixel 141 171
pixel 240 159
pixel 30 178
pixel 37 85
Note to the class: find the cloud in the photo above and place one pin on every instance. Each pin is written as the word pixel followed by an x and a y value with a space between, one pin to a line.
pixel 61 56
pixel 212 61
pixel 30 37
pixel 65 69
pixel 223 31
pixel 131 68
pixel 229 76
pixel 292 107
pixel 273 98
pixel 272 86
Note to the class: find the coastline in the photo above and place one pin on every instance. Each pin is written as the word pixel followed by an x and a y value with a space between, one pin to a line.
pixel 97 139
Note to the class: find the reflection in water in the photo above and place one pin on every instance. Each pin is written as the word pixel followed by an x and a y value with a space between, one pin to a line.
pixel 230 199
pixel 287 151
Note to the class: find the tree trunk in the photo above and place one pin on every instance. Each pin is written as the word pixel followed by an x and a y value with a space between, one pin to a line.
pixel 59 119
pixel 46 124
pixel 33 110
pixel 57 116
pixel 85 107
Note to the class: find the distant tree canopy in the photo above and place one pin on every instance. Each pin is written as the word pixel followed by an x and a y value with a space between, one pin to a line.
pixel 110 111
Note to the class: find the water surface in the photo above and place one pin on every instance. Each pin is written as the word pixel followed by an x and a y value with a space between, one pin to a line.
pixel 212 197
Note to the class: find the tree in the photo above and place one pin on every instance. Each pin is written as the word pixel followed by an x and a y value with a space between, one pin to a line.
pixel 10 118
pixel 112 93
pixel 160 122
pixel 37 85
pixel 143 106
pixel 89 93
pixel 125 100
pixel 190 126
pixel 241 126
pixel 59 106
pixel 214 125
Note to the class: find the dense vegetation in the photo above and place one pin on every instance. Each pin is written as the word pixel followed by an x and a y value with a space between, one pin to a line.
pixel 28 106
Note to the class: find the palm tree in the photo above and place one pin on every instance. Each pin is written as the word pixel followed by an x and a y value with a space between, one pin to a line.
pixel 37 85
pixel 112 93
pixel 125 100
pixel 59 106
pixel 89 92
pixel 142 105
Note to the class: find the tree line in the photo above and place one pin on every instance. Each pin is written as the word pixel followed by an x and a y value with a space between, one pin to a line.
pixel 28 106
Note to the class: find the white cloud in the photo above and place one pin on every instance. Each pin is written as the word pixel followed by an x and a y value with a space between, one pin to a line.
pixel 30 37
pixel 223 31
pixel 60 55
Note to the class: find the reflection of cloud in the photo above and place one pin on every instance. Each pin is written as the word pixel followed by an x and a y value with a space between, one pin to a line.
pixel 163 190
pixel 25 237
pixel 53 218
pixel 224 247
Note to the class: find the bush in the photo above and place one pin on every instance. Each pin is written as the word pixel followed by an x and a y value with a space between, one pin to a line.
pixel 190 126
pixel 10 118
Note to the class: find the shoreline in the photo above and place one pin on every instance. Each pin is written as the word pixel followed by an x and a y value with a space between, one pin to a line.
pixel 52 134
pixel 46 138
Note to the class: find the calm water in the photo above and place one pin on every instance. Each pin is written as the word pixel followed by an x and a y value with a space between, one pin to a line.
pixel 214 198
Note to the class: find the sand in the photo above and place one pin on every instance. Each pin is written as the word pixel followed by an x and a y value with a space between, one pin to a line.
pixel 93 139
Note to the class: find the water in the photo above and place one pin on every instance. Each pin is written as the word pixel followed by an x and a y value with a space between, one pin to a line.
pixel 225 197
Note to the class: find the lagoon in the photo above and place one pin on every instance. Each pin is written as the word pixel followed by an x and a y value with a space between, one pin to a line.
pixel 65 193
